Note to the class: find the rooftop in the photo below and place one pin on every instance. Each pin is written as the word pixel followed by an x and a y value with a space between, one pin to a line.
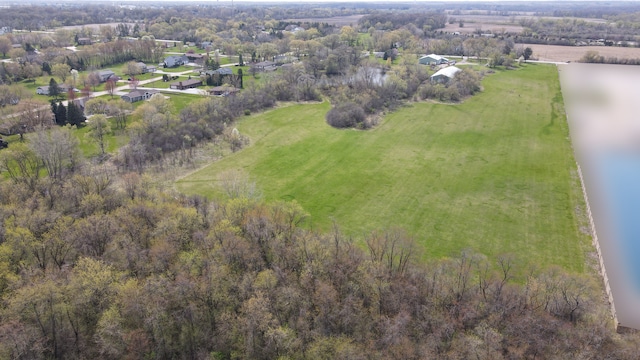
pixel 449 71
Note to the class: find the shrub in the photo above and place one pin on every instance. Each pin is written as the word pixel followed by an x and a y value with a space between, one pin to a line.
pixel 347 115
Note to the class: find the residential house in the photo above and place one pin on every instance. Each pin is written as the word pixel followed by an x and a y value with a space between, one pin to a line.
pixel 444 75
pixel 84 41
pixel 168 43
pixel 139 95
pixel 106 75
pixel 223 90
pixel 219 71
pixel 194 56
pixel 5 30
pixel 142 66
pixel 81 102
pixel 205 44
pixel 263 66
pixel 187 84
pixel 175 60
pixel 433 59
pixel 44 90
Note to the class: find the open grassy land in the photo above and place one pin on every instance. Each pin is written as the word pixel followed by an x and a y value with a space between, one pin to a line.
pixel 90 148
pixel 495 174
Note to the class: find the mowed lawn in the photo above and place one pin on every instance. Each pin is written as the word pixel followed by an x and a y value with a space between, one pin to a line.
pixel 495 174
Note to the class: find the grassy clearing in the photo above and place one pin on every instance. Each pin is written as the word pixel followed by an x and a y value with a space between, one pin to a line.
pixel 90 148
pixel 161 84
pixel 495 174
pixel 180 101
pixel 176 69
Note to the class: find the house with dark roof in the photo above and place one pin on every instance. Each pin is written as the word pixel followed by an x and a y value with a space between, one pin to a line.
pixel 81 102
pixel 84 41
pixel 186 84
pixel 139 95
pixel 106 75
pixel 194 56
pixel 223 90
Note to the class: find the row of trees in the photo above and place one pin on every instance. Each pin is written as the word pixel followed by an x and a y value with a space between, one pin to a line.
pixel 595 58
pixel 72 114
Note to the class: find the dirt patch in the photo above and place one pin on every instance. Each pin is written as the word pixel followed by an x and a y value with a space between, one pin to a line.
pixel 574 53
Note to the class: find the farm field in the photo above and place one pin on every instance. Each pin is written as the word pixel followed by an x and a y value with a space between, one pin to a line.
pixel 498 24
pixel 495 174
pixel 574 53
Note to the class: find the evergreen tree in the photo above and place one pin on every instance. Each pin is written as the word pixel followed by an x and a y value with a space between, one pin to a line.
pixel 54 90
pixel 240 61
pixel 240 77
pixel 60 113
pixel 54 110
pixel 46 68
pixel 212 64
pixel 75 116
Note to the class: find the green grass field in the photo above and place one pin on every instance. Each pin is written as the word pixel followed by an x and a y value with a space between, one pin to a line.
pixel 175 69
pixel 90 148
pixel 495 174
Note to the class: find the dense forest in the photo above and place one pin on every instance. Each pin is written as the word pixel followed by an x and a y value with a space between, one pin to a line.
pixel 118 268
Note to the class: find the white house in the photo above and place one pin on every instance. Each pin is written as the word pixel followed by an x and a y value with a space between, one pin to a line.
pixel 444 75
pixel 433 59
pixel 173 61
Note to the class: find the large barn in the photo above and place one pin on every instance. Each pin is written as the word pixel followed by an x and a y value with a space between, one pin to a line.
pixel 444 75
pixel 433 59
